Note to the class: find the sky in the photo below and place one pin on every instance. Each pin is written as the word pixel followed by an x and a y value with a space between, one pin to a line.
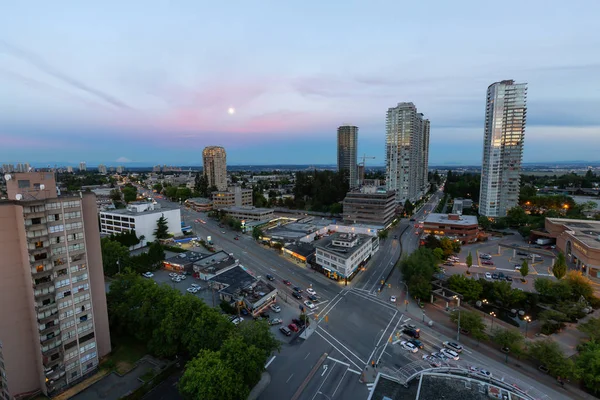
pixel 154 82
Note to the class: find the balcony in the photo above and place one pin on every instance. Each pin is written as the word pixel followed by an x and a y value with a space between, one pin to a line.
pixel 50 363
pixel 43 283
pixel 46 341
pixel 41 270
pixel 47 307
pixel 53 328
pixel 54 350
pixel 56 373
pixel 51 317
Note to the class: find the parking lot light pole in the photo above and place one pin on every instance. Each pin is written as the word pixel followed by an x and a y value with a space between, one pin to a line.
pixel 493 314
pixel 527 320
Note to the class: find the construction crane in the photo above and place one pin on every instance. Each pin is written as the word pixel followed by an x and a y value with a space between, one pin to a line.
pixel 361 174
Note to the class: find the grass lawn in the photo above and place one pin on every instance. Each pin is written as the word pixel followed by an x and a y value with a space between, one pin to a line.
pixel 126 351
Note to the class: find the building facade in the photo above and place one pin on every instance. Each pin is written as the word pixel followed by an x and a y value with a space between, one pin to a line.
pixel 141 217
pixel 82 166
pixel 214 160
pixel 453 226
pixel 199 204
pixel 4 395
pixel 342 254
pixel 249 213
pixel 370 205
pixel 102 169
pixel 407 152
pixel 579 240
pixel 232 197
pixel 347 147
pixel 504 134
pixel 56 327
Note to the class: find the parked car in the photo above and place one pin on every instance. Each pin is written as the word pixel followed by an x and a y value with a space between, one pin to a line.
pixel 286 282
pixel 311 291
pixel 494 276
pixel 298 322
pixel 275 308
pixel 509 278
pixel 276 321
pixel 147 274
pixel 451 354
pixel 517 267
pixel 297 295
pixel 449 264
pixel 522 253
pixel 309 304
pixel 417 343
pixel 487 262
pixel 182 277
pixel 435 362
pixel 191 290
pixel 264 315
pixel 237 320
pixel 488 275
pixel 293 327
pixel 195 285
pixel 285 331
pixel 172 274
pixel 270 277
pixel 412 333
pixel 485 256
pixel 409 346
pixel 453 346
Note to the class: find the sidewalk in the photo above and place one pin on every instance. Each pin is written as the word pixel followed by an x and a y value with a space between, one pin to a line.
pixel 444 328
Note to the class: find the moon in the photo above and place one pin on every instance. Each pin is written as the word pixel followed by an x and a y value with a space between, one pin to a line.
pixel 231 111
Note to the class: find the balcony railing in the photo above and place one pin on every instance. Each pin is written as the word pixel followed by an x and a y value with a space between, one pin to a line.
pixel 54 350
pixel 51 317
pixel 43 285
pixel 49 363
pixel 46 341
pixel 53 328
pixel 47 307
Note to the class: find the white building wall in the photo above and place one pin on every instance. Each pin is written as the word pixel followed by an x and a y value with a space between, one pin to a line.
pixel 145 224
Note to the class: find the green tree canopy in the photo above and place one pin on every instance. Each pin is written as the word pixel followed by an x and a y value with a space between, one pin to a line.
pixel 588 366
pixel 114 256
pixel 591 328
pixel 471 321
pixel 257 233
pixel 580 285
pixel 524 269
pixel 469 288
pixel 560 266
pixel 484 222
pixel 509 338
pixel 162 228
pixel 548 353
pixel 516 216
pixel 469 260
pixel 129 193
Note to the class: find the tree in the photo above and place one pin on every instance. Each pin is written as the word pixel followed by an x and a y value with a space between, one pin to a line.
pixel 129 194
pixel 470 321
pixel 552 321
pixel 114 256
pixel 509 339
pixel 419 286
pixel 246 359
pixel 408 207
pixel 469 262
pixel 259 334
pixel 560 266
pixel 588 366
pixel 156 255
pixel 591 328
pixel 158 187
pixel 469 288
pixel 162 228
pixel 208 377
pixel 580 285
pixel 439 253
pixel 524 269
pixel 516 216
pixel 257 233
pixel 431 242
pixel 115 195
pixel 505 294
pixel 201 185
pixel 484 222
pixel 548 353
pixel 553 292
pixel 382 234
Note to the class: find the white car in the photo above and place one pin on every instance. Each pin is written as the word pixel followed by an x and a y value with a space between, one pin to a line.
pixel 488 275
pixel 147 274
pixel 182 277
pixel 393 299
pixel 275 308
pixel 451 354
pixel 172 274
pixel 311 291
pixel 309 304
pixel 191 290
pixel 409 346
pixel 237 320
pixel 195 285
pixel 435 362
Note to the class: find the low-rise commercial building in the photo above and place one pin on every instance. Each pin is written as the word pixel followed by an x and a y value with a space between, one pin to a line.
pixel 299 251
pixel 249 213
pixel 309 229
pixel 241 289
pixel 342 254
pixel 214 264
pixel 183 262
pixel 199 204
pixel 579 240
pixel 370 205
pixel 232 197
pixel 141 217
pixel 453 226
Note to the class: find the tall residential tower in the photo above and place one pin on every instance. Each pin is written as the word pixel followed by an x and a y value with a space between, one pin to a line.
pixel 215 166
pixel 407 152
pixel 53 314
pixel 505 116
pixel 347 142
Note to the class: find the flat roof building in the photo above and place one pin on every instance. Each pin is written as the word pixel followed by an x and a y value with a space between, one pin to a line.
pixel 214 264
pixel 183 262
pixel 249 213
pixel 342 254
pixel 232 197
pixel 579 240
pixel 214 161
pixel 53 313
pixel 141 217
pixel 454 226
pixel 200 204
pixel 370 205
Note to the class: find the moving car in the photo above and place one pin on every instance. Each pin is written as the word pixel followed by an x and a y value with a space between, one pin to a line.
pixel 412 333
pixel 453 346
pixel 417 343
pixel 286 282
pixel 297 289
pixel 309 304
pixel 451 354
pixel 275 308
pixel 276 321
pixel 297 295
pixel 147 274
pixel 293 327
pixel 435 362
pixel 439 355
pixel 409 346
pixel 270 277
pixel 285 331
pixel 311 291
pixel 313 298
pixel 236 238
pixel 393 299
pixel 517 267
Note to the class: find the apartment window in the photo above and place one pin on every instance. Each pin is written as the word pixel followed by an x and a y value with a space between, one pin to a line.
pixel 56 228
pixel 52 206
pixel 53 217
pixel 24 183
pixel 36 221
pixel 39 268
pixel 74 374
pixel 87 337
pixel 87 347
pixel 83 318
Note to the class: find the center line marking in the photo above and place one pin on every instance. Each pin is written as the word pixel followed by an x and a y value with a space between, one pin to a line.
pixel 307 356
pixel 288 379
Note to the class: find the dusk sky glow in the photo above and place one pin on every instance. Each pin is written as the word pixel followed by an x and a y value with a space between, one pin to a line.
pixel 157 81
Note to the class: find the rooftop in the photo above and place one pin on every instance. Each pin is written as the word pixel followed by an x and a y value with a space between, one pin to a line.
pixel 587 231
pixel 247 209
pixel 258 291
pixel 302 249
pixel 156 209
pixel 199 200
pixel 235 280
pixel 214 263
pixel 187 257
pixel 343 252
pixel 445 219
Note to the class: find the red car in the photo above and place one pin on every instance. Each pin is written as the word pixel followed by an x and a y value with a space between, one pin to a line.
pixel 487 262
pixel 237 238
pixel 293 327
pixel 285 281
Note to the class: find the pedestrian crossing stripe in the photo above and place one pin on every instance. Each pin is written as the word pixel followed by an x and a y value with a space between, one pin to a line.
pixel 370 385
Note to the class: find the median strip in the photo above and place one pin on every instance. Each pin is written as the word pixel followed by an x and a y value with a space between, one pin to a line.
pixel 309 377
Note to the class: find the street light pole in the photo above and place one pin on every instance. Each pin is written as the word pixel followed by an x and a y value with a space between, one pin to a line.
pixel 527 320
pixel 458 330
pixel 493 314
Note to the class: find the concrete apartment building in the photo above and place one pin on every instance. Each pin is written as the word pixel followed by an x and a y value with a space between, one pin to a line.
pixel 53 318
pixel 454 226
pixel 342 254
pixel 102 169
pixel 141 217
pixel 347 147
pixel 232 197
pixel 407 152
pixel 82 166
pixel 214 160
pixel 4 395
pixel 370 205
pixel 505 117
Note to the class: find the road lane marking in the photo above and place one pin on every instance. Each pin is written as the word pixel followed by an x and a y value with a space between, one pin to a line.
pixel 338 361
pixel 339 383
pixel 325 368
pixel 387 342
pixel 335 347
pixel 353 371
pixel 270 361
pixel 307 355
pixel 344 346
pixel 324 380
pixel 382 334
pixel 375 300
pixel 288 379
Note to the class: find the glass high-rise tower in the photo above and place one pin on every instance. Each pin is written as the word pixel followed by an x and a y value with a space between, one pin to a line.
pixel 505 116
pixel 347 141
